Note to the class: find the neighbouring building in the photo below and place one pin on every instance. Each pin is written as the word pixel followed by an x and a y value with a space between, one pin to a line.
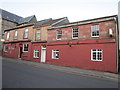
pixel 25 41
pixel 9 20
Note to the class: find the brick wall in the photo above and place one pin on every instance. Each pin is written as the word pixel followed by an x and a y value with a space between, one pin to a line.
pixel 84 31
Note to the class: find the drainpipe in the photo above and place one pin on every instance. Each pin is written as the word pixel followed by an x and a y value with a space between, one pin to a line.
pixel 117 43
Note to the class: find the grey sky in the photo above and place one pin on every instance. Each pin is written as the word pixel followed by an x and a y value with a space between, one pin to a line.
pixel 75 10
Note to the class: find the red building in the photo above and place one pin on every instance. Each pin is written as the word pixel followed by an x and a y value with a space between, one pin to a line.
pixel 89 44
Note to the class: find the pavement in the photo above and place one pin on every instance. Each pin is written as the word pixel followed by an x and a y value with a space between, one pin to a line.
pixel 72 70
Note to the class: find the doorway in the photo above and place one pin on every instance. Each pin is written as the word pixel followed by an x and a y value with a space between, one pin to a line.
pixel 20 52
pixel 43 53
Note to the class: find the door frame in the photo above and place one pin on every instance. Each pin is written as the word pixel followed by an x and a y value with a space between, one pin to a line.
pixel 20 52
pixel 43 53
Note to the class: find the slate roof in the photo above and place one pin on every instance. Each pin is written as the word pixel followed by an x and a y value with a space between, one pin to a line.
pixel 9 16
pixel 14 18
pixel 25 20
pixel 48 21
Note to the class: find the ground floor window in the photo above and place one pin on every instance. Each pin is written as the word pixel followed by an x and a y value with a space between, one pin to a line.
pixel 36 53
pixel 5 48
pixel 25 48
pixel 96 54
pixel 55 54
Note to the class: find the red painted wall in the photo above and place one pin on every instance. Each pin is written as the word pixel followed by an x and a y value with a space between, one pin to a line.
pixel 79 55
pixel 27 55
pixel 13 49
pixel 36 46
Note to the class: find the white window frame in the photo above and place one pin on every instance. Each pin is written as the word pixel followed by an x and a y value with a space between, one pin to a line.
pixel 96 30
pixel 74 33
pixel 23 47
pixel 25 33
pixel 8 36
pixel 5 48
pixel 58 34
pixel 96 54
pixel 35 55
pixel 36 37
pixel 54 52
pixel 15 35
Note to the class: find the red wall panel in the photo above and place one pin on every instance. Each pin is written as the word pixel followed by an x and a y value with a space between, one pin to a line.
pixel 80 56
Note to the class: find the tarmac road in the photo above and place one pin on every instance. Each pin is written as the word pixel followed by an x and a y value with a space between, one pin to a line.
pixel 19 75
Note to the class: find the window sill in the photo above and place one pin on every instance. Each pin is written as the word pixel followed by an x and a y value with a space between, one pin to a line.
pixel 95 36
pixel 74 38
pixel 35 57
pixel 58 39
pixel 25 51
pixel 97 60
pixel 55 58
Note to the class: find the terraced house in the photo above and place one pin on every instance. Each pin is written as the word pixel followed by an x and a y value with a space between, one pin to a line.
pixel 89 44
pixel 28 41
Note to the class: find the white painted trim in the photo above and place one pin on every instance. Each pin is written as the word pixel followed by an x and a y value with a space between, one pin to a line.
pixel 75 37
pixel 4 48
pixel 99 31
pixel 23 48
pixel 42 54
pixel 57 35
pixel 96 51
pixel 52 54
pixel 34 54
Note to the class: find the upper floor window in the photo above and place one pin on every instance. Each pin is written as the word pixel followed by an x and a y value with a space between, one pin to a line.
pixel 58 34
pixel 16 34
pixel 5 48
pixel 75 33
pixel 26 33
pixel 95 30
pixel 38 35
pixel 8 36
pixel 96 54
pixel 25 47
pixel 55 54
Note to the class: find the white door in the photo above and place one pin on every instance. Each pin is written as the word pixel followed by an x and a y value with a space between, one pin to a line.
pixel 43 54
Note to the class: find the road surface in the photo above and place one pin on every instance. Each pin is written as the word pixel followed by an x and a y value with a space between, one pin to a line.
pixel 18 75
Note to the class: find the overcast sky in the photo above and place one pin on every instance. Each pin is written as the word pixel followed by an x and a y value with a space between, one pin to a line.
pixel 75 10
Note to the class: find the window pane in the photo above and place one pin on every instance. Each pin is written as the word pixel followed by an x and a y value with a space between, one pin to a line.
pixel 8 35
pixel 97 54
pixel 38 35
pixel 95 30
pixel 25 47
pixel 26 33
pixel 16 33
pixel 75 32
pixel 59 34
